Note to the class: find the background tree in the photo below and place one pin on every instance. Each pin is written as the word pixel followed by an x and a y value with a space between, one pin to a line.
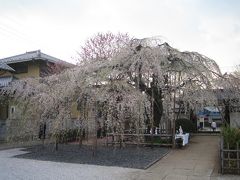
pixel 54 68
pixel 228 93
pixel 102 47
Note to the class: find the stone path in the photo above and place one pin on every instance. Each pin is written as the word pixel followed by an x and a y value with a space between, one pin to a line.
pixel 197 161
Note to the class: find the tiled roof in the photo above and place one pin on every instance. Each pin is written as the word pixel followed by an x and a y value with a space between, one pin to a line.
pixel 4 66
pixel 33 55
pixel 211 109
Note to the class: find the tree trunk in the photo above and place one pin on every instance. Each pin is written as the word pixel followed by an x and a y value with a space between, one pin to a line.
pixel 227 112
pixel 156 95
pixel 56 144
pixel 80 138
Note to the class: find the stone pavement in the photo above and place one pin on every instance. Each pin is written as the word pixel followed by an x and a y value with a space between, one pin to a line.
pixel 197 161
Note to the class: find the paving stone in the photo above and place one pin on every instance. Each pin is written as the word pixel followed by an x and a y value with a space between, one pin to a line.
pixel 150 176
pixel 202 172
pixel 185 165
pixel 175 177
pixel 184 172
pixel 198 178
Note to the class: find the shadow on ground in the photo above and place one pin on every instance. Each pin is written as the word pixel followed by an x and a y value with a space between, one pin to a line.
pixel 129 157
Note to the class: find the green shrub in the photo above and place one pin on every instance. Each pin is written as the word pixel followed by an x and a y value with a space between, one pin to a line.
pixel 158 140
pixel 231 136
pixel 187 125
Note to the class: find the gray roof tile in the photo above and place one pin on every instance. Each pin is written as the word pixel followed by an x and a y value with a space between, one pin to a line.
pixel 4 66
pixel 33 55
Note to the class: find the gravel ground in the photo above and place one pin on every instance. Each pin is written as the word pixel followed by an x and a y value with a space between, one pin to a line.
pixel 129 157
pixel 27 169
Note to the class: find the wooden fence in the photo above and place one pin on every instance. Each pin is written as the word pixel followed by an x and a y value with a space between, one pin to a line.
pixel 139 139
pixel 230 158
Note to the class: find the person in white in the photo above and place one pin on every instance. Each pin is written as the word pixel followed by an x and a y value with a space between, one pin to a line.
pixel 214 125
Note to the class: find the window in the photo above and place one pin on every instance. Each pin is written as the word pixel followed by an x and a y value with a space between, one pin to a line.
pixel 20 68
pixel 12 110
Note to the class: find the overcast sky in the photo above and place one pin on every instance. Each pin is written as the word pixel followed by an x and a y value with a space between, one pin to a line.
pixel 60 27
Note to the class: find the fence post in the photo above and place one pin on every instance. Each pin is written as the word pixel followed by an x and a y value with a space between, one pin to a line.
pixel 238 167
pixel 107 139
pixel 221 155
pixel 228 153
pixel 113 139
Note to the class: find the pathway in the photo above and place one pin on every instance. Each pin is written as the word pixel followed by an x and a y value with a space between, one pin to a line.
pixel 197 161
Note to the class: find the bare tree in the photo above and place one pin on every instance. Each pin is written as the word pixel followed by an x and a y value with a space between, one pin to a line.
pixel 228 93
pixel 102 47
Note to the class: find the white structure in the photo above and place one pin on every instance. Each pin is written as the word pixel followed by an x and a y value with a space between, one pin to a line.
pixel 235 119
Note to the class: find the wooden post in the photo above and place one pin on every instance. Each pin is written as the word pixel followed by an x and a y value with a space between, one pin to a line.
pixel 120 139
pixel 221 155
pixel 95 124
pixel 152 120
pixel 174 114
pixel 139 108
pixel 113 139
pixel 238 163
pixel 138 125
pixel 56 144
pixel 43 142
pixel 228 152
pixel 107 138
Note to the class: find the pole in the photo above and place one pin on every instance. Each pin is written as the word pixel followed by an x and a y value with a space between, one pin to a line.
pixel 152 119
pixel 174 114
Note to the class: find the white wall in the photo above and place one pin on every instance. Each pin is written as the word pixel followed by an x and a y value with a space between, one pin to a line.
pixel 235 119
